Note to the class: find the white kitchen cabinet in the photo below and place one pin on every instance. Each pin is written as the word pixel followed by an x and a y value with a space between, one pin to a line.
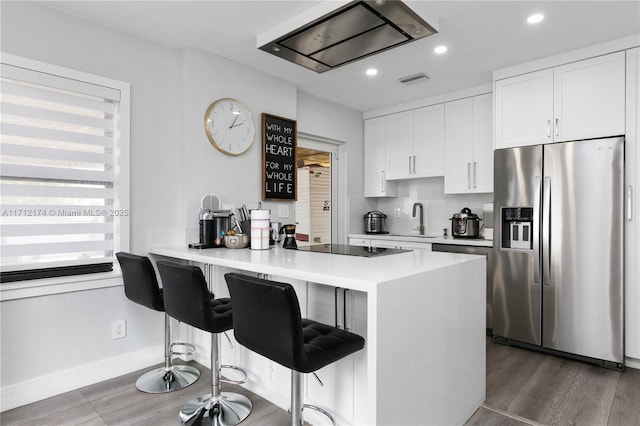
pixel 399 144
pixel 469 145
pixel 632 230
pixel 375 179
pixel 400 244
pixel 579 100
pixel 524 109
pixel 362 242
pixel 428 148
pixel 415 143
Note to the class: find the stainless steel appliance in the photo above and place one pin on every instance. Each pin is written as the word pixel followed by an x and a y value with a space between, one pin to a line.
pixel 465 224
pixel 351 32
pixel 480 251
pixel 558 276
pixel 375 222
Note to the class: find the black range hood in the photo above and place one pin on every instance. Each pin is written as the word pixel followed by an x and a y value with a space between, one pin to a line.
pixel 349 33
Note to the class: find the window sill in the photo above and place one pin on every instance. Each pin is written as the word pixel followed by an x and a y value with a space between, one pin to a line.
pixel 49 286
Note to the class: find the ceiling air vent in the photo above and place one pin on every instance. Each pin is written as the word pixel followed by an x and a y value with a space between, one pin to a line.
pixel 340 36
pixel 415 78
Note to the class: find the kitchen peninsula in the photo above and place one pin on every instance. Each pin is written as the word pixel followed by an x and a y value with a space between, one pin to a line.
pixel 422 315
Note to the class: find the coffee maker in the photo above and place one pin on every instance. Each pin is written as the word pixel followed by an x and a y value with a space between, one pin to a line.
pixel 213 223
pixel 289 236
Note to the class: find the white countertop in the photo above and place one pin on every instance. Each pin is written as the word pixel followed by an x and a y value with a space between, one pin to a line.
pixel 352 272
pixel 429 240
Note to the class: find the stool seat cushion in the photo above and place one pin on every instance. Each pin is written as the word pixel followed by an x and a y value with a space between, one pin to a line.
pixel 324 344
pixel 267 320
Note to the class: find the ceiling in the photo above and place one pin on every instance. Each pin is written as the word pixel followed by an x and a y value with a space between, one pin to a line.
pixel 481 36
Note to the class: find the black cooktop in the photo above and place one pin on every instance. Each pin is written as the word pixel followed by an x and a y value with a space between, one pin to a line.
pixel 352 250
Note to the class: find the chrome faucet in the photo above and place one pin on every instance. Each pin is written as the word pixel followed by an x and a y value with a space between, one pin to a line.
pixel 421 226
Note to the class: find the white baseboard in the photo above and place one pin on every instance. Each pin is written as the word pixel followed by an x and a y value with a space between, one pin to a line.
pixel 43 387
pixel 632 363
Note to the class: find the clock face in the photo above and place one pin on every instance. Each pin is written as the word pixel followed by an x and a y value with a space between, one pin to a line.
pixel 229 126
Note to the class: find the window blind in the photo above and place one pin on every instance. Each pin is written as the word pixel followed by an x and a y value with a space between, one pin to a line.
pixel 58 175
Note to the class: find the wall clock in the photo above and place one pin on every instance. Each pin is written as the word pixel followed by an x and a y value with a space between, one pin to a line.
pixel 229 126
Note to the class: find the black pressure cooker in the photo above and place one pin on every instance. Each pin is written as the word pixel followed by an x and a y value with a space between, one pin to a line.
pixel 465 224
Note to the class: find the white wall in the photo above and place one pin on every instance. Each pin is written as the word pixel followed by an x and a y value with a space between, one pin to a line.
pixel 44 335
pixel 323 118
pixel 172 166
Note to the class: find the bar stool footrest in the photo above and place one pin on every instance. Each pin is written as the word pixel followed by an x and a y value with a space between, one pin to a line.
pixel 321 411
pixel 184 348
pixel 234 382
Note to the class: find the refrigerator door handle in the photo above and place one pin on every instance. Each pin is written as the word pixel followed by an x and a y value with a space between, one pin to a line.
pixel 536 229
pixel 546 231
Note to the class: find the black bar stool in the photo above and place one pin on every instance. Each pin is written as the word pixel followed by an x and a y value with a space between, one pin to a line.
pixel 141 286
pixel 188 300
pixel 267 320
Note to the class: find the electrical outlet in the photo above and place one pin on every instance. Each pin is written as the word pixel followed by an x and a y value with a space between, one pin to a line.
pixel 283 211
pixel 397 212
pixel 119 329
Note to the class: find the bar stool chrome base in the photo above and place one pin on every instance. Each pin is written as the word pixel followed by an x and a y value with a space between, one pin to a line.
pixel 162 380
pixel 227 409
pixel 297 404
pixel 170 377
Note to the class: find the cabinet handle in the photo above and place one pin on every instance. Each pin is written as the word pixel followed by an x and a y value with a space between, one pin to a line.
pixel 629 203
pixel 414 164
pixel 382 181
pixel 475 175
pixel 409 164
pixel 557 134
pixel 469 175
pixel 549 129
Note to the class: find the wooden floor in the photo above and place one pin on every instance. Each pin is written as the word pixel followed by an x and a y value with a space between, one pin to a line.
pixel 523 388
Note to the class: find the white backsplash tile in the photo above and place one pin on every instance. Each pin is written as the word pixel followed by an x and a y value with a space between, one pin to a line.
pixel 438 207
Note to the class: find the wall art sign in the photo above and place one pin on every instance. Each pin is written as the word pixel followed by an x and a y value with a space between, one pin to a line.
pixel 279 169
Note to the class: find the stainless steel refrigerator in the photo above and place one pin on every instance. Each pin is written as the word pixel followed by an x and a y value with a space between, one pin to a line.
pixel 558 280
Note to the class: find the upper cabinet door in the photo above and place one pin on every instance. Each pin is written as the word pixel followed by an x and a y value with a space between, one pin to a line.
pixel 399 136
pixel 428 148
pixel 375 184
pixel 580 100
pixel 524 109
pixel 589 98
pixel 483 143
pixel 459 146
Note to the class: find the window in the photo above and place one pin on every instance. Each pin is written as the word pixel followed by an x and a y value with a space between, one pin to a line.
pixel 63 170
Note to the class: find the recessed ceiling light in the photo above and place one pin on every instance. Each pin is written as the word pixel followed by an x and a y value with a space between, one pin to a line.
pixel 535 18
pixel 372 71
pixel 440 49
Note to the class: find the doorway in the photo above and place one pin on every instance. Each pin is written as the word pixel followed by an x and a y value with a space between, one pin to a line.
pixel 317 206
